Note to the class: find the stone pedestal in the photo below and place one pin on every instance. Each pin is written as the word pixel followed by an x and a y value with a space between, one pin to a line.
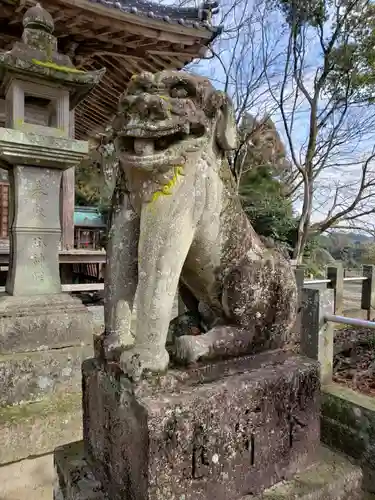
pixel 34 231
pixel 34 312
pixel 220 431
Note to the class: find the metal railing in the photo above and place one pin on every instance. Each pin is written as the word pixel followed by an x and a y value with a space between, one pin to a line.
pixel 318 319
pixel 316 282
pixel 326 280
pixel 343 320
pixel 355 278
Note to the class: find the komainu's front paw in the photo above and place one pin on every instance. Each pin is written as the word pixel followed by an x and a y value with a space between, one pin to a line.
pixel 110 345
pixel 189 349
pixel 136 361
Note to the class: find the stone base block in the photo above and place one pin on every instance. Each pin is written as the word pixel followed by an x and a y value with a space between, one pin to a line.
pixel 332 477
pixel 30 376
pixel 33 429
pixel 42 322
pixel 217 431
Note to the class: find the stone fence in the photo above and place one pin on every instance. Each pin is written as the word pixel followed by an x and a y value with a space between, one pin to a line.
pixel 352 295
pixel 347 416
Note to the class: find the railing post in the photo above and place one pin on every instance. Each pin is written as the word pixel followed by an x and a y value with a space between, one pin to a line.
pixel 368 290
pixel 317 334
pixel 336 276
pixel 299 272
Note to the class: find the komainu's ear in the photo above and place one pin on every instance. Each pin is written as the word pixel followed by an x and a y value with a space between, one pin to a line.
pixel 226 128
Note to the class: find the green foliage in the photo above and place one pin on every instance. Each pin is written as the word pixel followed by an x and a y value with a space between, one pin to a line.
pixel 95 176
pixel 260 167
pixel 313 269
pixel 266 206
pixel 87 184
pixel 264 187
pixel 297 13
pixel 353 57
pixel 347 33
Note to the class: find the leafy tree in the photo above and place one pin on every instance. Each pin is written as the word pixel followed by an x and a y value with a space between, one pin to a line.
pixel 266 206
pixel 95 175
pixel 328 73
pixel 261 170
pixel 353 58
pixel 367 253
pixel 87 184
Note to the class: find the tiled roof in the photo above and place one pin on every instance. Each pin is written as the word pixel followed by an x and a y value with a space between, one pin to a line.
pixel 186 16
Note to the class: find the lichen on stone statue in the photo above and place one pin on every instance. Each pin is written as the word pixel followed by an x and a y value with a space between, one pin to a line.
pixel 177 218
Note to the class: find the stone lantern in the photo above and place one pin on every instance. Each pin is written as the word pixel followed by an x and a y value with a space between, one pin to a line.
pixel 38 82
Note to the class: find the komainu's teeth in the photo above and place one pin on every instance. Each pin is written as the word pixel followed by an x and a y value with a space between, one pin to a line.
pixel 144 147
pixel 186 128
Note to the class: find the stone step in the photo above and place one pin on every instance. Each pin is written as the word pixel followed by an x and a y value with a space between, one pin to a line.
pixel 333 477
pixel 32 429
pixel 31 376
pixel 348 425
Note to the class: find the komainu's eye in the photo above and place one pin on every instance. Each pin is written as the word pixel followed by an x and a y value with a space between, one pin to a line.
pixel 179 91
pixel 139 89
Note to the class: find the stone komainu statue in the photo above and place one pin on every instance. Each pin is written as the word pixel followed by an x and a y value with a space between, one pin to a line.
pixel 176 216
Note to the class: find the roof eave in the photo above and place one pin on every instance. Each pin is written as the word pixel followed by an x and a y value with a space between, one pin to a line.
pixel 206 34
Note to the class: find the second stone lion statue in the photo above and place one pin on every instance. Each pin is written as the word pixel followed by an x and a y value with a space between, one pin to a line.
pixel 176 216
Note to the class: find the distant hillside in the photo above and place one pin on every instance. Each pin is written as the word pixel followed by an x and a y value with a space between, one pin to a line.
pixel 347 247
pixel 343 239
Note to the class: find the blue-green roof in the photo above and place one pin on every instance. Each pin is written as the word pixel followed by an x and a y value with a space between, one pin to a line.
pixel 88 217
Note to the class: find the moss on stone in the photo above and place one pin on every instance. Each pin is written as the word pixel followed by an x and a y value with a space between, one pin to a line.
pixel 56 405
pixel 332 478
pixel 349 408
pixel 351 396
pixel 57 67
pixel 346 439
pixel 32 429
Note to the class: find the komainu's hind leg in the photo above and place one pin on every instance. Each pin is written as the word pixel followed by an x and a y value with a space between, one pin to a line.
pixel 261 296
pixel 219 342
pixel 259 299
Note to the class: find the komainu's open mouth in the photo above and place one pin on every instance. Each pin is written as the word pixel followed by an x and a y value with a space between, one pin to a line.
pixel 146 145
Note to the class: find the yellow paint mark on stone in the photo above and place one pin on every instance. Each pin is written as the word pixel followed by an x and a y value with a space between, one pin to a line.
pixel 166 99
pixel 167 189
